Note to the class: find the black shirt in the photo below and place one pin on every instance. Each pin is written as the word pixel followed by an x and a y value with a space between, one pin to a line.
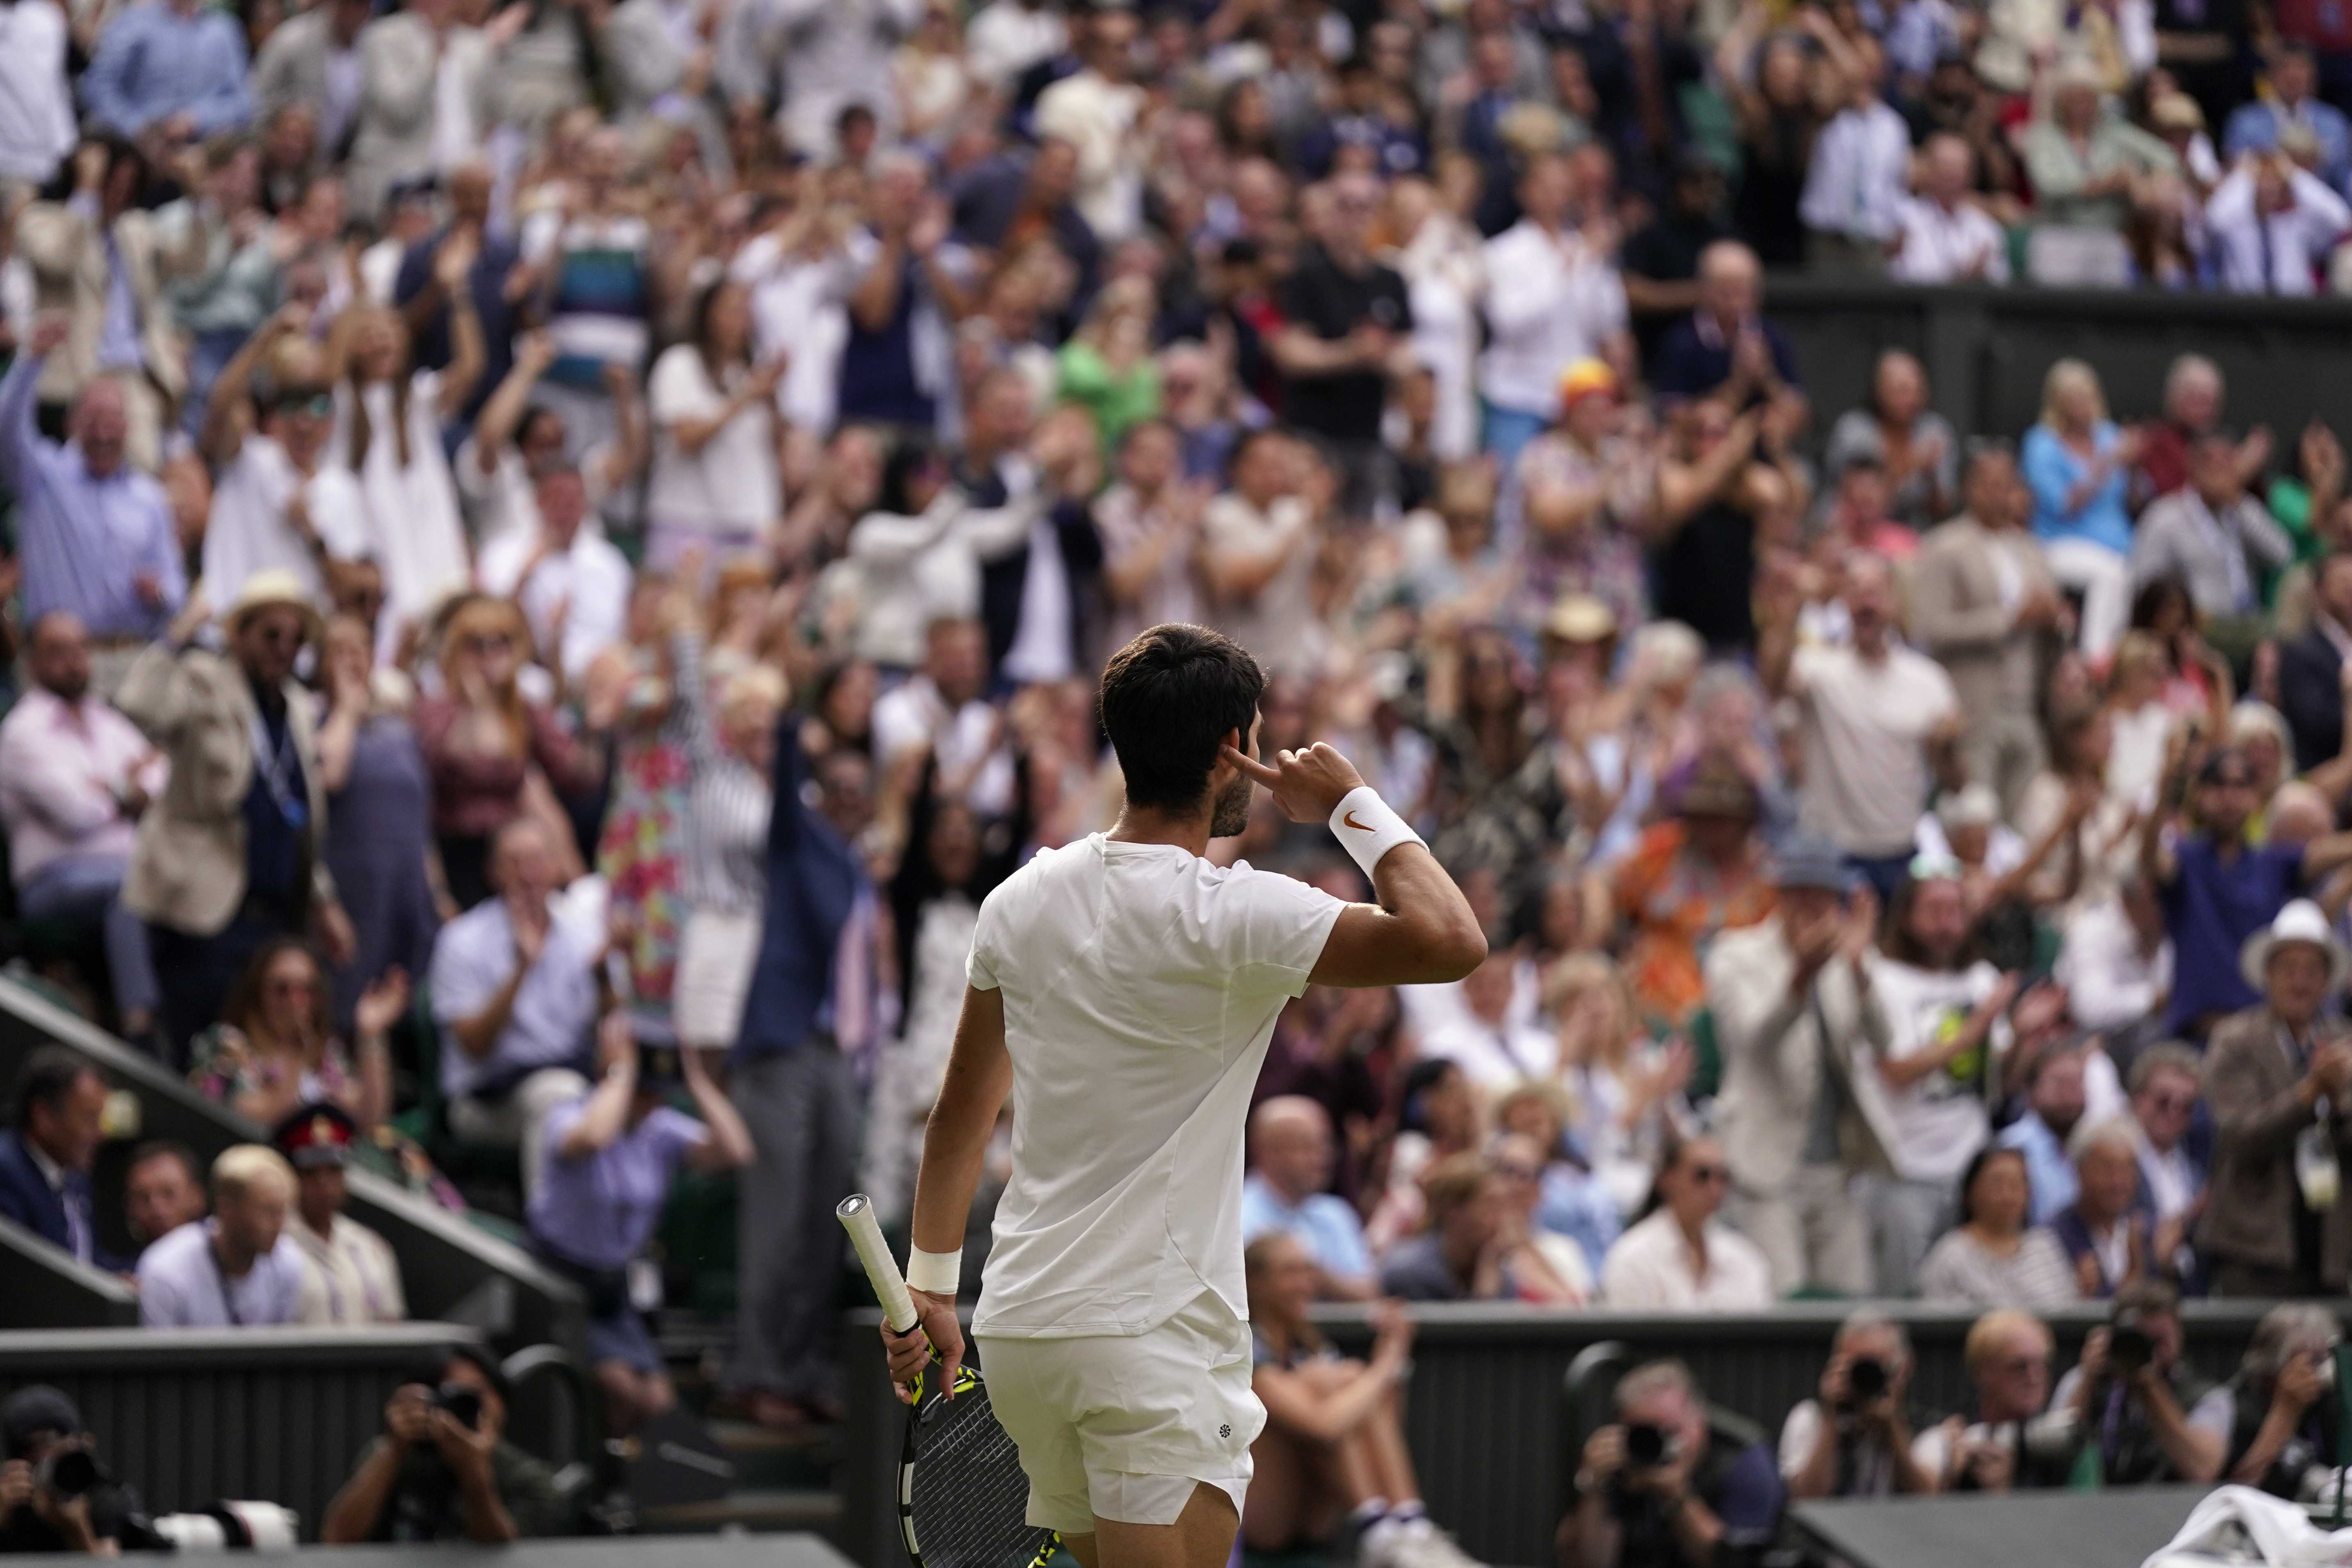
pixel 1702 577
pixel 112 1508
pixel 1331 302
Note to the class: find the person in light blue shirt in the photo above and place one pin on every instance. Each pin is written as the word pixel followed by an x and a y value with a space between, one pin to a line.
pixel 1291 1166
pixel 2078 462
pixel 93 533
pixel 2294 102
pixel 173 65
pixel 2056 1098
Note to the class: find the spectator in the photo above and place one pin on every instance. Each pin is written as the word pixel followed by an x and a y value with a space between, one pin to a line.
pixel 425 79
pixel 237 1269
pixel 2091 172
pixel 2192 407
pixel 1584 492
pixel 1466 1252
pixel 312 59
pixel 1917 452
pixel 1348 319
pixel 1855 517
pixel 2116 960
pixel 1782 95
pixel 47 1151
pixel 274 1047
pixel 1661 261
pixel 2166 1082
pixel 2052 1084
pixel 93 535
pixel 2292 103
pixel 611 1158
pixel 1989 1259
pixel 2155 1421
pixel 1546 1269
pixel 1861 164
pixel 2311 667
pixel 2109 1240
pixel 230 855
pixel 1691 879
pixel 1854 1439
pixel 1725 349
pixel 1945 1029
pixel 514 995
pixel 423 295
pixel 1151 521
pixel 2271 1224
pixel 1287 1190
pixel 435 1475
pixel 810 1018
pixel 717 438
pixel 37 1424
pixel 37 133
pixel 1100 111
pixel 1572 1201
pixel 353 1279
pixel 2284 1420
pixel 171 68
pixel 1680 1258
pixel 1878 719
pixel 1794 1010
pixel 898 278
pixel 1320 1406
pixel 569 581
pixel 2014 1444
pixel 1702 1494
pixel 2219 890
pixel 2213 536
pixel 1942 234
pixel 1496 1049
pixel 1715 490
pixel 75 777
pixel 2076 460
pixel 2272 225
pixel 162 1189
pixel 1259 542
pixel 1552 299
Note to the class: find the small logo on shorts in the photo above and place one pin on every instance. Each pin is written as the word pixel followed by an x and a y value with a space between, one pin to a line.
pixel 1226 1430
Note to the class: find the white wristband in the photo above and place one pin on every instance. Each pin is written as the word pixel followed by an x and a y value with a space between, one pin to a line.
pixel 933 1273
pixel 1368 828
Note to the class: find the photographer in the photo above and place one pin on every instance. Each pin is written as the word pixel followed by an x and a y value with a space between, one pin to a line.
pixel 442 1470
pixel 2015 1444
pixel 2156 1422
pixel 1660 1490
pixel 2286 1424
pixel 1855 1439
pixel 54 1495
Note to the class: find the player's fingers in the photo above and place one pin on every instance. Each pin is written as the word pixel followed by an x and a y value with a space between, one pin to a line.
pixel 949 1366
pixel 1269 777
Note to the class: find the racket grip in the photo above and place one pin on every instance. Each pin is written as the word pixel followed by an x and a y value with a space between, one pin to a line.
pixel 855 1213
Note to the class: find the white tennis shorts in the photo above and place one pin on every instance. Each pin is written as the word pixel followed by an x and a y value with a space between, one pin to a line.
pixel 1123 1426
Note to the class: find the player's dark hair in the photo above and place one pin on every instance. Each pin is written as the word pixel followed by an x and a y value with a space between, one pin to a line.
pixel 47 1076
pixel 1168 698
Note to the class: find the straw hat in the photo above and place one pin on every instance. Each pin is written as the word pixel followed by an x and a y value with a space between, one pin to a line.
pixel 2299 921
pixel 267 589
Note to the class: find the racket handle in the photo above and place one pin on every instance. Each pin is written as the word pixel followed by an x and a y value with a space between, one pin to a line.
pixel 855 1213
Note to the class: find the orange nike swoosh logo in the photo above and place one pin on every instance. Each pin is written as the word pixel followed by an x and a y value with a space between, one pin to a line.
pixel 1350 819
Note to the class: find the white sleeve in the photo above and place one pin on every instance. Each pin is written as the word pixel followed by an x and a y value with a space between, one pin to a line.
pixel 979 968
pixel 1799 1433
pixel 678 390
pixel 1273 929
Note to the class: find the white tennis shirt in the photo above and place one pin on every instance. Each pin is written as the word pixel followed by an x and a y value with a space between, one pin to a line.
pixel 1140 986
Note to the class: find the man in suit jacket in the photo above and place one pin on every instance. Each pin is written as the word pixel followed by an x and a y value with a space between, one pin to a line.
pixel 1982 603
pixel 403 133
pixel 2311 667
pixel 2273 1227
pixel 46 1154
pixel 233 853
pixel 299 65
pixel 810 1013
pixel 1775 989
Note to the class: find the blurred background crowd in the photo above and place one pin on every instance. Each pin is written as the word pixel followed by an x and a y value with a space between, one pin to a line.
pixel 558 550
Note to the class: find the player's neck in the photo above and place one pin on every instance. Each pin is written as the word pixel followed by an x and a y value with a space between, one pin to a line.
pixel 1151 825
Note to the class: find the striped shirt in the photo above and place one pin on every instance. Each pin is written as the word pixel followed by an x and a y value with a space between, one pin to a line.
pixel 729 800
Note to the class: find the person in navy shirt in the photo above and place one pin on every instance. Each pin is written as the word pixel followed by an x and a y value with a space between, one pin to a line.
pixel 47 1152
pixel 2218 888
pixel 1697 1497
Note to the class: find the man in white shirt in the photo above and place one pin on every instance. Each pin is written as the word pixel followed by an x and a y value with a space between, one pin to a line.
pixel 1007 37
pixel 2272 225
pixel 1861 165
pixel 2117 960
pixel 75 775
pixel 1875 714
pixel 37 107
pixel 1553 298
pixel 353 1279
pixel 572 584
pixel 946 708
pixel 1122 991
pixel 236 1270
pixel 1941 236
pixel 1496 1048
pixel 1100 111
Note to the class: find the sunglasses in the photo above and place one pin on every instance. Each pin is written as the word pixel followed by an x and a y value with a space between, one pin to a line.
pixel 318 404
pixel 1709 1174
pixel 487 642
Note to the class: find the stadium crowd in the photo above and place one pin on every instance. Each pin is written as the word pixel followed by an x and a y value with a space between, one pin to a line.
pixel 558 550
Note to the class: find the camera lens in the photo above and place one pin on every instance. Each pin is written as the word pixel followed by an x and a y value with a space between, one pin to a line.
pixel 1866 1379
pixel 1646 1445
pixel 71 1472
pixel 2130 1348
pixel 461 1401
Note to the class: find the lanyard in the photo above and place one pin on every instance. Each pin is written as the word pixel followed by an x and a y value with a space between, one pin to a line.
pixel 228 1301
pixel 280 772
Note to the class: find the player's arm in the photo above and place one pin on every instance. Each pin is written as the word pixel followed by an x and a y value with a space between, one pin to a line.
pixel 955 1140
pixel 1422 931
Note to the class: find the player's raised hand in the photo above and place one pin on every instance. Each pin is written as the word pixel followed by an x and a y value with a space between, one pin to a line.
pixel 1307 784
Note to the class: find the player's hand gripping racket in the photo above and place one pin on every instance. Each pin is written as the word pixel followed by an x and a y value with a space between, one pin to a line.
pixel 963 1500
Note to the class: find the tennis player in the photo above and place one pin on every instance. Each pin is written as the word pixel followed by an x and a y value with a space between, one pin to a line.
pixel 1122 989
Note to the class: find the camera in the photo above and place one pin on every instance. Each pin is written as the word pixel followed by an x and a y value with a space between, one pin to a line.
pixel 463 1402
pixel 70 1471
pixel 1865 1379
pixel 1647 1447
pixel 2129 1345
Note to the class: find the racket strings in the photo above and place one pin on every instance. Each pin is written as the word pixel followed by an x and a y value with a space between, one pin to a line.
pixel 970 1498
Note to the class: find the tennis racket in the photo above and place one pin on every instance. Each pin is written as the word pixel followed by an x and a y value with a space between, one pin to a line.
pixel 964 1501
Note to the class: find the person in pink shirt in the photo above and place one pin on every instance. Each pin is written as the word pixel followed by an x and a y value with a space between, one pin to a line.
pixel 75 775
